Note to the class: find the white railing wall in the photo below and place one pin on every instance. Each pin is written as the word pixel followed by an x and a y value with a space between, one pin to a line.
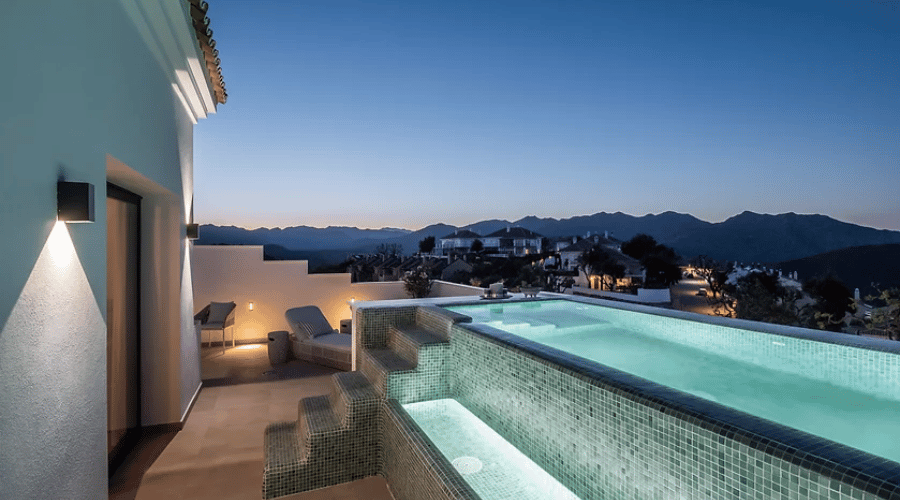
pixel 644 295
pixel 225 273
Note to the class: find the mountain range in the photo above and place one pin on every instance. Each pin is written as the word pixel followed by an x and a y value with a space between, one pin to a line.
pixel 746 237
pixel 868 268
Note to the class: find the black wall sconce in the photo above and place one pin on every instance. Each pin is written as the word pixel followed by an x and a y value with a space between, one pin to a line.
pixel 75 201
pixel 193 231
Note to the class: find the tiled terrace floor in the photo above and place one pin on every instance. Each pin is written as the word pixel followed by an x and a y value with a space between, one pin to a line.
pixel 219 453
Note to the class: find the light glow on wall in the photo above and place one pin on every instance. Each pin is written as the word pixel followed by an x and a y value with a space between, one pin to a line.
pixel 60 246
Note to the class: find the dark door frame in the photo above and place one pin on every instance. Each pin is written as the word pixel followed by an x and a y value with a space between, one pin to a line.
pixel 127 443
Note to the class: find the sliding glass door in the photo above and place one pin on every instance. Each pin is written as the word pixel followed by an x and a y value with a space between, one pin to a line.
pixel 123 211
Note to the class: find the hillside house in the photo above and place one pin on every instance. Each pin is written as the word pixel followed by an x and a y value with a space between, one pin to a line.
pixel 634 272
pixel 576 246
pixel 516 241
pixel 459 241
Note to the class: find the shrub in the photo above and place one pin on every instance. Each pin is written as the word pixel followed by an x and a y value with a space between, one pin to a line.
pixel 418 283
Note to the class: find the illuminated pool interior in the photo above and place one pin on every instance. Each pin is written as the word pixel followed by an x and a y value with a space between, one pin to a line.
pixel 605 433
pixel 490 464
pixel 827 404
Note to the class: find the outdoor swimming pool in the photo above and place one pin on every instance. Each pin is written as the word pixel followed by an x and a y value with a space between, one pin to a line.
pixel 605 433
pixel 779 378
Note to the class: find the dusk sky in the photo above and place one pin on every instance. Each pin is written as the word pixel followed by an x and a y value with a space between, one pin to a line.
pixel 408 113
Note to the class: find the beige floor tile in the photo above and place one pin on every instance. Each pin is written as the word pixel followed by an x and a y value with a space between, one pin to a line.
pixel 219 452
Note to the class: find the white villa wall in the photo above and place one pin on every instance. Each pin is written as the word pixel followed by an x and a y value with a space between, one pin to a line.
pixel 644 295
pixel 239 273
pixel 86 98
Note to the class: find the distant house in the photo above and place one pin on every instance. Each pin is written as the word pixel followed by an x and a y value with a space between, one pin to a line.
pixel 557 244
pixel 634 272
pixel 391 267
pixel 457 266
pixel 434 265
pixel 516 241
pixel 459 241
pixel 570 253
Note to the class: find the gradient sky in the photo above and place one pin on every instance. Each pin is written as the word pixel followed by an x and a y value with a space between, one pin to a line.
pixel 408 113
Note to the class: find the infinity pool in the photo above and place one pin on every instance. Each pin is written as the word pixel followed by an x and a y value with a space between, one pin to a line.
pixel 851 396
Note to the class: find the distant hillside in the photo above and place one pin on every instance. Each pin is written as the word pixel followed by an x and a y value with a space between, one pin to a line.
pixel 315 258
pixel 665 227
pixel 750 237
pixel 747 237
pixel 857 267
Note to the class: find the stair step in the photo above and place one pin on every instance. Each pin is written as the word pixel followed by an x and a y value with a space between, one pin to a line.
pixel 390 361
pixel 284 456
pixel 375 364
pixel 281 444
pixel 353 397
pixel 407 341
pixel 420 336
pixel 316 419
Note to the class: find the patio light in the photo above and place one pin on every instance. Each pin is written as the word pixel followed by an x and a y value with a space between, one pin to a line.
pixel 75 201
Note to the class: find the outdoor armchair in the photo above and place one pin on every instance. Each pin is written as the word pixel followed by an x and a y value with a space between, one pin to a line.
pixel 216 316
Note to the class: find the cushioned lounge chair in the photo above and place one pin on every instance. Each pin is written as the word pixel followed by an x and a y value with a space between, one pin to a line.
pixel 314 339
pixel 216 316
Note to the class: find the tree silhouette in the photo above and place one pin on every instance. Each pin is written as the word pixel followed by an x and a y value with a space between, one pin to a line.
pixel 759 296
pixel 833 301
pixel 659 261
pixel 426 245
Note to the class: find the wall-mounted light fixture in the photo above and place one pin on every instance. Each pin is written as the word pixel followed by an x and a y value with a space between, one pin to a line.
pixel 250 306
pixel 75 201
pixel 193 231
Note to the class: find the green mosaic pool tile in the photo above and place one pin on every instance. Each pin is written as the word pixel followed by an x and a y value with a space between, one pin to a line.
pixel 603 444
pixel 373 324
pixel 413 466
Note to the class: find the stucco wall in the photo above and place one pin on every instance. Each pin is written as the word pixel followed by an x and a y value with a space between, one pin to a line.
pixel 644 295
pixel 84 98
pixel 239 273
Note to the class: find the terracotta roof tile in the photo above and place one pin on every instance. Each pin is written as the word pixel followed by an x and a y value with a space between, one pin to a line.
pixel 208 45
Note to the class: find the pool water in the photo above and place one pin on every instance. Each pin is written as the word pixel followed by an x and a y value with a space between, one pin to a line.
pixel 493 468
pixel 851 417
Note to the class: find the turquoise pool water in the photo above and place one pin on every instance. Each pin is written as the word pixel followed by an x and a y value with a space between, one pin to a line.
pixel 493 468
pixel 845 394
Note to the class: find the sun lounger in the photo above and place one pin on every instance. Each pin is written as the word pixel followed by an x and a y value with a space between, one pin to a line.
pixel 314 339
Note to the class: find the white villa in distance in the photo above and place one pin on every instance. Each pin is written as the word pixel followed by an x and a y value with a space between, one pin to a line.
pixel 516 241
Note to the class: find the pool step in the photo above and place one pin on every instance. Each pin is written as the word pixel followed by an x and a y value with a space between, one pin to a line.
pixel 333 440
pixel 407 341
pixel 336 436
pixel 411 366
pixel 377 364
